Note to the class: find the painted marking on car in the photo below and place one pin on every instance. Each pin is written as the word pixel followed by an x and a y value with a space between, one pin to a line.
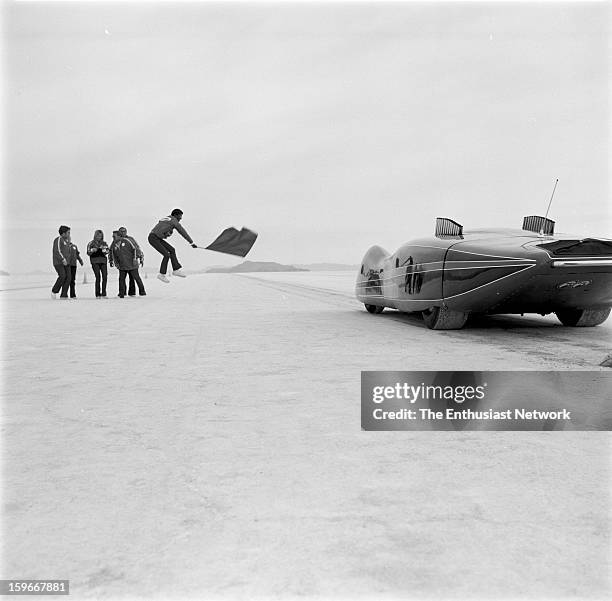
pixel 574 284
pixel 426 300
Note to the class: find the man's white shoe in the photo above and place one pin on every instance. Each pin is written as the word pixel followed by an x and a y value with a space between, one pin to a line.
pixel 53 295
pixel 179 273
pixel 163 278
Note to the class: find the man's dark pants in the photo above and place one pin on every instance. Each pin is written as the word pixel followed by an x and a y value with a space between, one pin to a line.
pixel 123 273
pixel 63 280
pixel 73 270
pixel 101 272
pixel 167 251
pixel 135 280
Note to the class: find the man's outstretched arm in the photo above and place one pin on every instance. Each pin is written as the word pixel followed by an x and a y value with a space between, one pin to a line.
pixel 182 231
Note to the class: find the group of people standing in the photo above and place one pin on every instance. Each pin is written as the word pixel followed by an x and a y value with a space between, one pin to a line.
pixel 124 253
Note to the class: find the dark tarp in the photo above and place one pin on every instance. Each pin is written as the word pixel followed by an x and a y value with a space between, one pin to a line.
pixel 234 242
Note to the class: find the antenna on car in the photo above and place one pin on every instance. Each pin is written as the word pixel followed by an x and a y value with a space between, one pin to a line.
pixel 543 226
pixel 551 198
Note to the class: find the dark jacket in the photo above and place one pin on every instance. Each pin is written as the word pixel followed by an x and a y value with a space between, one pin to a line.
pixel 75 255
pixel 98 251
pixel 123 254
pixel 61 251
pixel 139 253
pixel 167 225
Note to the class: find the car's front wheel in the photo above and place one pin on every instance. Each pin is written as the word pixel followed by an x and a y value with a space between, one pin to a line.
pixel 582 318
pixel 374 309
pixel 443 318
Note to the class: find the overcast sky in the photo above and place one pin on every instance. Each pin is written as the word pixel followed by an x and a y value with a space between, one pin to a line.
pixel 325 127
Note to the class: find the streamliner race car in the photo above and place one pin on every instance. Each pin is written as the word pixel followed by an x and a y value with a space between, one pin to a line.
pixel 455 274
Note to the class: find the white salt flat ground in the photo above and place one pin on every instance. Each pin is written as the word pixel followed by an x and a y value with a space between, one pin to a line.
pixel 204 442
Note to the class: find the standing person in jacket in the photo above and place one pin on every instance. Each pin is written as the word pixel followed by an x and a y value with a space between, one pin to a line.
pixel 75 256
pixel 98 251
pixel 110 250
pixel 111 258
pixel 61 257
pixel 157 239
pixel 135 279
pixel 123 254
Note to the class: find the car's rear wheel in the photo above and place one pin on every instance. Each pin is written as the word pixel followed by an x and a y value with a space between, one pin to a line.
pixel 582 318
pixel 442 318
pixel 375 309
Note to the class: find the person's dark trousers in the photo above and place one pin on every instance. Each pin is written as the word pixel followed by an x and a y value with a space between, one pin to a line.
pixel 167 251
pixel 101 273
pixel 63 280
pixel 135 280
pixel 73 270
pixel 123 273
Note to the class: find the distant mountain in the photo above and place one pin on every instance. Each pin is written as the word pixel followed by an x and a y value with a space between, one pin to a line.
pixel 190 271
pixel 327 267
pixel 4 272
pixel 254 266
pixel 38 272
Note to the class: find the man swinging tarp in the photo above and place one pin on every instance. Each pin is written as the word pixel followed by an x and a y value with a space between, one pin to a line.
pixel 230 241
